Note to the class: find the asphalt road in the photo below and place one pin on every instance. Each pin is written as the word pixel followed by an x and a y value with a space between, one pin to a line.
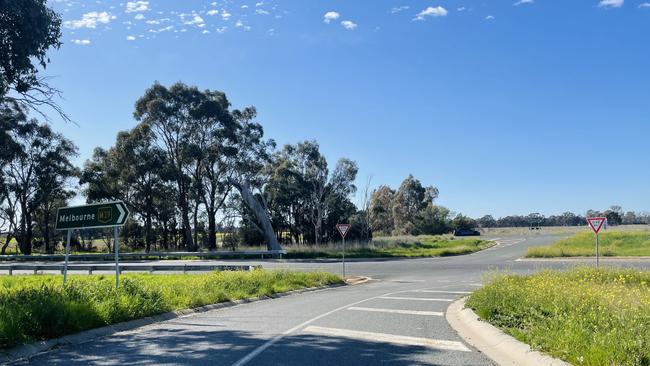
pixel 396 319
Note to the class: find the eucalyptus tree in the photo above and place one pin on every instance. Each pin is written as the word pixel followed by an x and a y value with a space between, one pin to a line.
pixel 410 199
pixel 28 30
pixel 41 166
pixel 250 173
pixel 176 116
pixel 304 194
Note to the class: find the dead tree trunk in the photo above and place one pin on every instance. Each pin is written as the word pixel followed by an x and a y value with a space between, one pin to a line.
pixel 260 213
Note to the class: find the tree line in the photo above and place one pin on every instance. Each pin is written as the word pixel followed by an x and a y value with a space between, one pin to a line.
pixel 615 216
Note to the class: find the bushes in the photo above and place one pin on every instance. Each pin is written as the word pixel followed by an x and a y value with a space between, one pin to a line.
pixel 40 307
pixel 584 316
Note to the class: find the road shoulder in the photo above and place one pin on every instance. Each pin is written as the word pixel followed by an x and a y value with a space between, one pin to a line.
pixel 500 347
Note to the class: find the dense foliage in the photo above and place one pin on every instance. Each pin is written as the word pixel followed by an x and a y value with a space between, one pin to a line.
pixel 584 316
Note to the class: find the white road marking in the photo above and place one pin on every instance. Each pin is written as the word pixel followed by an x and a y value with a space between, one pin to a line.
pixel 254 353
pixel 388 338
pixel 443 292
pixel 397 311
pixel 413 298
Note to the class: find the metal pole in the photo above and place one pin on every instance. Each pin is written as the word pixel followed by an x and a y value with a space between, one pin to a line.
pixel 344 257
pixel 116 244
pixel 67 254
pixel 597 259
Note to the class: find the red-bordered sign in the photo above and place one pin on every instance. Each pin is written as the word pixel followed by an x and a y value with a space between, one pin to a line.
pixel 596 223
pixel 343 229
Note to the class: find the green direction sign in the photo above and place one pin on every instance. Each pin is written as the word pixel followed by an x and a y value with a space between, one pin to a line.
pixel 96 215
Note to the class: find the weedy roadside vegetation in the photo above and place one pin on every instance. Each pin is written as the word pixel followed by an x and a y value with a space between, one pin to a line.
pixel 398 246
pixel 611 244
pixel 584 316
pixel 40 307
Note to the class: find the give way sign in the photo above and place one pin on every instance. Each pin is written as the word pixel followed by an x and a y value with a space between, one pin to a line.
pixel 596 223
pixel 343 229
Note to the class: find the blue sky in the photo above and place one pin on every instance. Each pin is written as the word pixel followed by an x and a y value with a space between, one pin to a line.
pixel 543 106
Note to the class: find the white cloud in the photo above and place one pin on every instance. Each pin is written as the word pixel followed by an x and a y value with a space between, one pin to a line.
pixel 438 11
pixel 611 3
pixel 462 8
pixel 221 30
pixel 136 6
pixel 244 6
pixel 348 24
pixel 138 16
pixel 523 2
pixel 489 17
pixel 196 20
pixel 225 15
pixel 330 15
pixel 239 23
pixel 130 38
pixel 399 9
pixel 81 42
pixel 89 20
pixel 261 12
pixel 644 5
pixel 205 31
pixel 259 4
pixel 213 12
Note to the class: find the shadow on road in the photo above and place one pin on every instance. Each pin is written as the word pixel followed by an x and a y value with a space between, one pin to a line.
pixel 222 347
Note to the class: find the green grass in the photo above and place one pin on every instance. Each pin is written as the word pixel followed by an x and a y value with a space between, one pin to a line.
pixel 39 307
pixel 611 244
pixel 387 247
pixel 583 316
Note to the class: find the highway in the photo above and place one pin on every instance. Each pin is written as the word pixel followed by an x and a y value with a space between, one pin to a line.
pixel 395 319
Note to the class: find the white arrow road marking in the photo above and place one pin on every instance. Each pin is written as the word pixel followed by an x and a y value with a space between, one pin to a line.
pixel 397 311
pixel 388 338
pixel 413 298
pixel 122 213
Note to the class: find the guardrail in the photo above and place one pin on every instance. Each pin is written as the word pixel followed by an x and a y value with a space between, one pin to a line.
pixel 127 267
pixel 160 255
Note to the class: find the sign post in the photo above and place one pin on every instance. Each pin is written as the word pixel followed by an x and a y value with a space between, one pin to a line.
pixel 343 230
pixel 596 223
pixel 93 216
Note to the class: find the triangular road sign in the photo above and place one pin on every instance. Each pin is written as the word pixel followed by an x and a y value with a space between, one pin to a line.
pixel 596 223
pixel 343 229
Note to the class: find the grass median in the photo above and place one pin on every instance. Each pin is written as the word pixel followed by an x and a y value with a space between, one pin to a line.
pixel 584 316
pixel 404 246
pixel 611 244
pixel 39 307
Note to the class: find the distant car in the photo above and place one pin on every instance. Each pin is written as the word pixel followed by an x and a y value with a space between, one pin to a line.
pixel 466 232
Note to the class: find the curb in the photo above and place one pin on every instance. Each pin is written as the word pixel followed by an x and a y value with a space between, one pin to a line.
pixel 29 350
pixel 498 346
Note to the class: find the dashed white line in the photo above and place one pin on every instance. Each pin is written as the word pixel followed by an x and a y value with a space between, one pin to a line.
pixel 413 298
pixel 388 338
pixel 443 292
pixel 398 311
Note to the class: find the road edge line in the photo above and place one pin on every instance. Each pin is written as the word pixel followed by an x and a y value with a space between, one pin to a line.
pixel 490 340
pixel 29 350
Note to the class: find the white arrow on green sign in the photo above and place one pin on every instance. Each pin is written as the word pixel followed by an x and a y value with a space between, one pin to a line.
pixel 96 215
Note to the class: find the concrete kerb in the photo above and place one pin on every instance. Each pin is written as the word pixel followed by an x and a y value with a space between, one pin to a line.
pixel 498 346
pixel 30 350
